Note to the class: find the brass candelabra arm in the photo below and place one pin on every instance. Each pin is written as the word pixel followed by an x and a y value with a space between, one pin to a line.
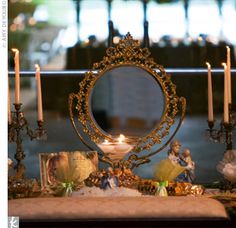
pixel 225 132
pixel 39 133
pixel 233 119
pixel 17 124
pixel 214 134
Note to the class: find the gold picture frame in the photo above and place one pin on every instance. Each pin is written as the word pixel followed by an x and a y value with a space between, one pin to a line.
pixel 65 167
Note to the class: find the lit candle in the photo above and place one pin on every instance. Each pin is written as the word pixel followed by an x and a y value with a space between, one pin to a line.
pixel 9 105
pixel 17 75
pixel 229 74
pixel 210 98
pixel 39 92
pixel 226 101
pixel 121 138
pixel 106 146
pixel 121 146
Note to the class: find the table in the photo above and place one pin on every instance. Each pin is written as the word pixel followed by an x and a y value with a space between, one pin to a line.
pixel 144 211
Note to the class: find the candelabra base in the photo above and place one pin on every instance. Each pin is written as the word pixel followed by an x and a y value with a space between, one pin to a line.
pixel 16 128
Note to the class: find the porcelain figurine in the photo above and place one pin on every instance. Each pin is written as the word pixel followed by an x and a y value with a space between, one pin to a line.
pixel 183 160
pixel 173 153
pixel 109 180
pixel 189 174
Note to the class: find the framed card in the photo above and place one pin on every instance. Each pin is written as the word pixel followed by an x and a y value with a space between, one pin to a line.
pixel 66 167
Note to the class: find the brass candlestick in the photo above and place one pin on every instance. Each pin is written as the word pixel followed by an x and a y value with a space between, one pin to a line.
pixel 225 133
pixel 15 130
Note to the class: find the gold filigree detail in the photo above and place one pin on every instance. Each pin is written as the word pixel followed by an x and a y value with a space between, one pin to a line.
pixel 129 53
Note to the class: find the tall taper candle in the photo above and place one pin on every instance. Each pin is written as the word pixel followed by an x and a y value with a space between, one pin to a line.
pixel 39 92
pixel 226 101
pixel 210 97
pixel 17 75
pixel 9 105
pixel 229 75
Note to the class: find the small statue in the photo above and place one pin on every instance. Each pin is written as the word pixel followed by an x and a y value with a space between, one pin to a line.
pixel 173 153
pixel 183 160
pixel 109 180
pixel 189 166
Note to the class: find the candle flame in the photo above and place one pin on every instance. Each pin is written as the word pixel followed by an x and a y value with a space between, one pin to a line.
pixel 224 65
pixel 106 141
pixel 121 138
pixel 208 64
pixel 37 67
pixel 15 50
pixel 227 47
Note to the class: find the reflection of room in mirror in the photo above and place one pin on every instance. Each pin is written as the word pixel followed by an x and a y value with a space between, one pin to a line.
pixel 127 100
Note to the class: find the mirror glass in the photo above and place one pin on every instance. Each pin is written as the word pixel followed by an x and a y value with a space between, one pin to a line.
pixel 127 100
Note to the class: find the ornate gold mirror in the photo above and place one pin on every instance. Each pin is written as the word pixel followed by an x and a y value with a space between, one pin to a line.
pixel 127 104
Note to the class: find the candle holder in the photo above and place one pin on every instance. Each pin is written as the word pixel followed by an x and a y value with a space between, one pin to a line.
pixel 114 152
pixel 225 133
pixel 15 130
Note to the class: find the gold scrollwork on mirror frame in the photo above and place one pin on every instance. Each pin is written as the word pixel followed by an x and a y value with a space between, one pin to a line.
pixel 129 53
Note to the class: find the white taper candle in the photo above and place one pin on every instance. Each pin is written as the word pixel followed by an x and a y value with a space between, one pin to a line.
pixel 210 97
pixel 17 75
pixel 39 92
pixel 226 101
pixel 229 75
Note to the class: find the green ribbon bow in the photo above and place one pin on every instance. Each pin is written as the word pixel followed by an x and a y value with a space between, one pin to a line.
pixel 163 183
pixel 68 187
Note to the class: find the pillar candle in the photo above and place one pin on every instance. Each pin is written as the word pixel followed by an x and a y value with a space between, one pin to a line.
pixel 229 75
pixel 210 97
pixel 17 75
pixel 226 101
pixel 39 92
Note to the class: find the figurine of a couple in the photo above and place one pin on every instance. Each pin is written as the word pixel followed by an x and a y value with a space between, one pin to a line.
pixel 109 180
pixel 184 160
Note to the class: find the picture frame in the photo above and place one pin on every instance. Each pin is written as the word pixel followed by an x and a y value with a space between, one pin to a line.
pixel 66 167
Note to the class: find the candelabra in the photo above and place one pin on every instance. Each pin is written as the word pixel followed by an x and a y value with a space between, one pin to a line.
pixel 225 132
pixel 15 128
pixel 224 135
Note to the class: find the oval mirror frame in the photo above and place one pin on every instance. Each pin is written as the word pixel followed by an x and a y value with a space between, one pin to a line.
pixel 128 53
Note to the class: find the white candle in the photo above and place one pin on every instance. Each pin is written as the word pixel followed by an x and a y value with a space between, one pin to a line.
pixel 210 97
pixel 17 75
pixel 39 93
pixel 106 146
pixel 226 101
pixel 121 138
pixel 9 105
pixel 229 75
pixel 121 146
